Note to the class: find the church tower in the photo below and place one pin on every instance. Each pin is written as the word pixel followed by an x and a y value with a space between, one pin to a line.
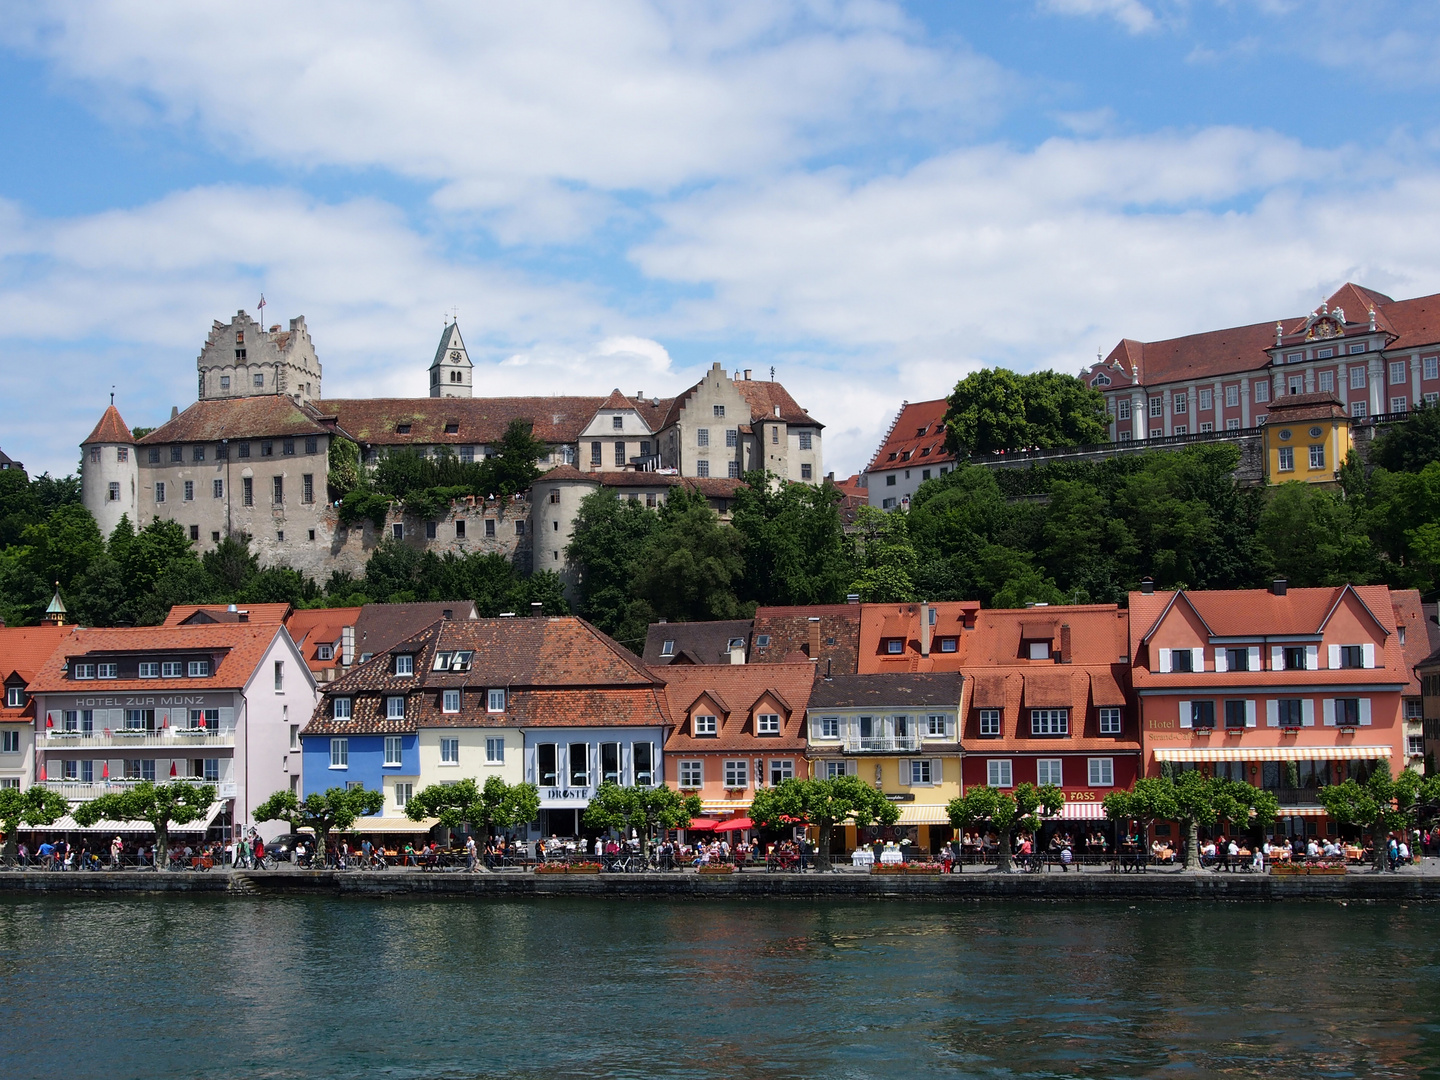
pixel 109 473
pixel 451 372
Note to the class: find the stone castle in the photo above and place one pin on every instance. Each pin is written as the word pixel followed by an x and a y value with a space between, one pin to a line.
pixel 251 455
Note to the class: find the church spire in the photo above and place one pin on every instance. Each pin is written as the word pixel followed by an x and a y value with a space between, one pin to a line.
pixel 451 372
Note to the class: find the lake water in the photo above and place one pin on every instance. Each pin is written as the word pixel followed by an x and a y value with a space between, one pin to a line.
pixel 210 987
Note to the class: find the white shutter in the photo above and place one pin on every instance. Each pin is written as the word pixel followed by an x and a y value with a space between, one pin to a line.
pixel 1334 657
pixel 1277 658
pixel 850 767
pixel 937 771
pixel 1312 657
pixel 1329 704
pixel 1307 712
pixel 1220 666
pixel 54 718
pixel 1272 713
pixel 1364 712
pixel 162 718
pixel 1369 650
pixel 1254 658
pixel 949 729
pixel 904 771
pixel 1184 714
pixel 1249 714
pixel 227 718
pixel 1164 661
pixel 1197 659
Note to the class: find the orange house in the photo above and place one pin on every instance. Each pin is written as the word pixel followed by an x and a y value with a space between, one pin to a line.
pixel 737 728
pixel 1286 689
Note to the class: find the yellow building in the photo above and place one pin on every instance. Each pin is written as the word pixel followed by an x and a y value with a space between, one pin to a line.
pixel 1307 437
pixel 898 732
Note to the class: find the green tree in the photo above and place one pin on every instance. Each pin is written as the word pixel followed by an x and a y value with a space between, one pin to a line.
pixel 337 808
pixel 1206 800
pixel 1151 799
pixel 885 562
pixel 606 544
pixel 1314 537
pixel 344 474
pixel 1006 811
pixel 691 566
pixel 514 467
pixel 1382 803
pixel 823 804
pixel 36 805
pixel 231 565
pixel 497 805
pixel 795 549
pixel 64 544
pixel 1410 445
pixel 995 410
pixel 641 809
pixel 162 805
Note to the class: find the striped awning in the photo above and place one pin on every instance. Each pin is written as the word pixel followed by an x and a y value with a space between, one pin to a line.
pixel 1080 811
pixel 378 825
pixel 68 824
pixel 923 814
pixel 725 806
pixel 1301 811
pixel 1277 753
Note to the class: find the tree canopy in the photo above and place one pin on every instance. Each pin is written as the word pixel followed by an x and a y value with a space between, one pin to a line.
pixel 645 810
pixel 496 805
pixel 1023 808
pixel 995 410
pixel 162 805
pixel 335 808
pixel 1383 803
pixel 36 805
pixel 824 804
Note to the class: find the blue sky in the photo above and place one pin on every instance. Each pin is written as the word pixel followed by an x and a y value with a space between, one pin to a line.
pixel 874 198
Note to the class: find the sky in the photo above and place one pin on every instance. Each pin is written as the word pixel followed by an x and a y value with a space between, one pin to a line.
pixel 873 198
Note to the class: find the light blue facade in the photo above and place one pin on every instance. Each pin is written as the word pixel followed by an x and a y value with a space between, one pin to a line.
pixel 364 761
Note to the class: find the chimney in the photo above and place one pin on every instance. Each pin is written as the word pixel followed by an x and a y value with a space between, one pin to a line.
pixel 536 609
pixel 1147 586
pixel 174 411
pixel 639 395
pixel 747 374
pixel 347 645
pixel 244 616
pixel 926 614
pixel 814 639
pixel 737 655
pixel 852 598
pixel 1279 586
pixel 1065 657
pixel 447 614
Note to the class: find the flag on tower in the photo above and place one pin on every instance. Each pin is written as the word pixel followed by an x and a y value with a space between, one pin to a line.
pixel 260 307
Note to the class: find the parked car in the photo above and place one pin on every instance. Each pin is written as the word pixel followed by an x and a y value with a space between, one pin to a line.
pixel 283 846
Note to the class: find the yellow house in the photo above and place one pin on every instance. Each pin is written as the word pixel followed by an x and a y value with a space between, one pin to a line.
pixel 898 732
pixel 1307 437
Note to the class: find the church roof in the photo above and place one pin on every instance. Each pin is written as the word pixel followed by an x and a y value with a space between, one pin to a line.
pixel 450 339
pixel 110 429
pixel 267 416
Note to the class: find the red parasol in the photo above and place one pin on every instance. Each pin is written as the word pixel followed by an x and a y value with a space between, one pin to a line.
pixel 703 824
pixel 172 769
pixel 735 825
pixel 105 771
pixel 49 720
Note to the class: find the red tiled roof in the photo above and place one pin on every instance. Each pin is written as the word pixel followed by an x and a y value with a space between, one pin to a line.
pixel 764 398
pixel 267 416
pixel 376 421
pixel 110 429
pixel 239 647
pixel 788 630
pixel 743 687
pixel 1410 613
pixel 905 438
pixel 258 614
pixel 320 626
pixel 1018 690
pixel 23 651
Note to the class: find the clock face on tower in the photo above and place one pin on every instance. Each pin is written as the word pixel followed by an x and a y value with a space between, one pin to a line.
pixel 454 355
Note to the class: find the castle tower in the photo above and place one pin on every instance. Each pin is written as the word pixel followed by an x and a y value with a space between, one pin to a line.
pixel 109 473
pixel 243 359
pixel 451 372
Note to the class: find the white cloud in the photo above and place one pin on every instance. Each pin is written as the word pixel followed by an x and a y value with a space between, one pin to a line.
pixel 523 112
pixel 1131 14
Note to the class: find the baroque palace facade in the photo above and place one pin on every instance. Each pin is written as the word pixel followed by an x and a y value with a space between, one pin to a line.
pixel 251 455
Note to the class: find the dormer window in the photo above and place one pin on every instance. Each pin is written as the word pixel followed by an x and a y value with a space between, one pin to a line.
pixel 149 670
pixel 199 669
pixel 402 429
pixel 894 646
pixel 668 648
pixel 14 697
pixel 394 708
pixel 735 643
pixel 340 708
pixel 462 660
pixel 404 664
pixel 452 429
pixel 172 669
pixel 1038 650
pixel 921 433
pixel 767 724
pixel 82 671
pixel 706 727
pixel 442 661
pixel 325 652
pixel 1100 380
pixel 949 644
pixel 496 701
pixel 762 641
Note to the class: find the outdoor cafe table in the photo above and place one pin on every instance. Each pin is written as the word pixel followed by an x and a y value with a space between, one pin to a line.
pixel 862 856
pixel 891 856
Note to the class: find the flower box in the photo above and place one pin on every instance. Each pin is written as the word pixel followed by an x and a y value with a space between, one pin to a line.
pixel 924 868
pixel 888 868
pixel 585 868
pixel 556 868
pixel 720 868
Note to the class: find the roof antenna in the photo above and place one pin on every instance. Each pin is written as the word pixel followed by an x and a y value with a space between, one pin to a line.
pixel 772 372
pixel 112 396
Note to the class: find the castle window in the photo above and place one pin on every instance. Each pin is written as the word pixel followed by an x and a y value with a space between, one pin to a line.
pixel 805 440
pixel 456 377
pixel 153 456
pixel 806 472
pixel 397 530
pixel 242 449
pixel 247 490
pixel 490 527
pixel 177 453
pixel 198 453
pixel 277 490
pixel 195 533
pixel 239 337
pixel 720 411
pixel 217 488
pixel 240 355
pixel 259 380
pixel 288 448
pixel 189 490
pixel 307 488
pixel 617 422
pixel 114 495
pixel 312 445
pixel 160 491
pixel 267 448
pixel 460 529
pixel 95 454
pixel 222 452
pixel 702 468
pixel 224 382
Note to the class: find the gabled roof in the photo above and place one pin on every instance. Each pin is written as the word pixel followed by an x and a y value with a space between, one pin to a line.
pixel 1410 613
pixel 789 684
pixel 237 647
pixel 23 651
pixel 1180 596
pixel 255 614
pixel 378 421
pixel 1240 613
pixel 1214 352
pixel 707 642
pixel 770 400
pixel 266 416
pixel 320 626
pixel 712 696
pixel 919 431
pixel 898 691
pixel 110 429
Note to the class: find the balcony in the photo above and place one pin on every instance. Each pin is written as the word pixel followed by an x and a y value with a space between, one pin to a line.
pixel 881 744
pixel 82 791
pixel 171 738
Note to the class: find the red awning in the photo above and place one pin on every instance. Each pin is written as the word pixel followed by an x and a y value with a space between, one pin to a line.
pixel 735 825
pixel 702 823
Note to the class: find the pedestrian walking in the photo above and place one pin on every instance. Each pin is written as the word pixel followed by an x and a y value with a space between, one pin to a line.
pixel 470 853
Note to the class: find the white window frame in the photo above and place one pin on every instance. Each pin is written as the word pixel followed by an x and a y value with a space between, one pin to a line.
pixel 403 794
pixel 736 774
pixel 767 723
pixel 198 669
pixel 935 726
pixel 494 750
pixel 404 664
pixel 1112 720
pixel 107 671
pixel 340 708
pixel 692 775
pixel 395 708
pixel 1397 372
pixel 1049 771
pixel 149 669
pixel 706 725
pixel 449 750
pixel 172 669
pixel 339 753
pixel 394 751
pixel 999 773
pixel 450 701
pixel 1317 456
pixel 990 722
pixel 495 701
pixel 1049 721
pixel 781 769
pixel 1105 768
pixel 829 727
pixel 921 772
pixel 10 741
